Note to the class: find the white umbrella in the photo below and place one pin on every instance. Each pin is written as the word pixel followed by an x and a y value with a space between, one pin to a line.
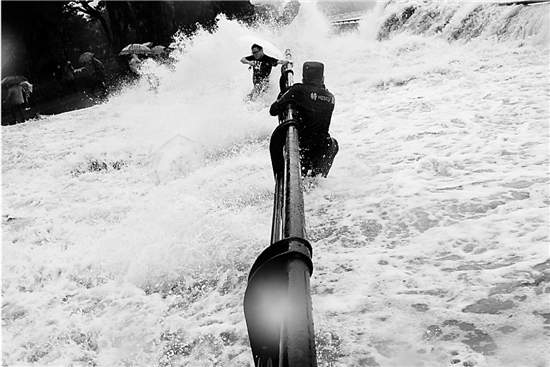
pixel 178 157
pixel 268 48
pixel 135 48
pixel 85 57
pixel 13 79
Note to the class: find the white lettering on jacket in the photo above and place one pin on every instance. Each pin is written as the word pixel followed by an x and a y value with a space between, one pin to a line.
pixel 314 96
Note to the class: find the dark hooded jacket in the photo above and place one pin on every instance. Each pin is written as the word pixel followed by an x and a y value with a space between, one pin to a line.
pixel 314 106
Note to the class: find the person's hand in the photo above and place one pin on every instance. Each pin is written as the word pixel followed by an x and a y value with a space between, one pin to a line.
pixel 284 61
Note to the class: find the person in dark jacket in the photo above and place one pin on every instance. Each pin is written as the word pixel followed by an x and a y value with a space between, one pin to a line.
pixel 16 102
pixel 314 107
pixel 68 77
pixel 97 71
pixel 261 65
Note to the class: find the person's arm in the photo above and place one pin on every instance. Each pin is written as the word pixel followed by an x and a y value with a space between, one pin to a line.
pixel 274 62
pixel 277 106
pixel 245 61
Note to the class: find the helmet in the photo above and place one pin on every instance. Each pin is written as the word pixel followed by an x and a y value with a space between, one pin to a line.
pixel 313 71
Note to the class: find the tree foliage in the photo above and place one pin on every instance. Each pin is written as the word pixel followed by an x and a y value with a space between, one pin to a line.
pixel 38 35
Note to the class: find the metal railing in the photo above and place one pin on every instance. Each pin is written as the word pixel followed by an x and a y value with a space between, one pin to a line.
pixel 277 302
pixel 352 17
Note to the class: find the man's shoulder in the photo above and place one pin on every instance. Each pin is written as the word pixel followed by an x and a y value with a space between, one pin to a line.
pixel 297 86
pixel 316 88
pixel 328 92
pixel 269 59
pixel 319 93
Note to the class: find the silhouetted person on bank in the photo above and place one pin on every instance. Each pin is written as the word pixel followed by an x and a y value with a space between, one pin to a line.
pixel 261 65
pixel 97 71
pixel 133 64
pixel 68 77
pixel 314 107
pixel 27 91
pixel 16 102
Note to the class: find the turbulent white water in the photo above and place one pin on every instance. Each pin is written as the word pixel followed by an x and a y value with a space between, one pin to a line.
pixel 430 234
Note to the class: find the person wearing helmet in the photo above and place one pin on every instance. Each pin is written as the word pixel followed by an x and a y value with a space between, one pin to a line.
pixel 261 65
pixel 314 107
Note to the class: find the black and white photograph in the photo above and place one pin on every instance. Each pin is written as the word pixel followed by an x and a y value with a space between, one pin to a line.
pixel 275 183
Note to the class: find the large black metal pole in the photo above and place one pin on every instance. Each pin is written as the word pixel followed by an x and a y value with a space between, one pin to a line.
pixel 278 308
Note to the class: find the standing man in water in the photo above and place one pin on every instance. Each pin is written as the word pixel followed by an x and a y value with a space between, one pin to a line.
pixel 261 65
pixel 314 107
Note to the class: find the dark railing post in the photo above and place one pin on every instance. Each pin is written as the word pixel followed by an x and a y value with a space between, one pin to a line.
pixel 277 303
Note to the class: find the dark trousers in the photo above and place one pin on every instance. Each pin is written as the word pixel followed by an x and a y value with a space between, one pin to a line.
pixel 316 158
pixel 17 110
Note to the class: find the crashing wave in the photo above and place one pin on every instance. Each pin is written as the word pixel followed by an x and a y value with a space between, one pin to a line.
pixel 466 21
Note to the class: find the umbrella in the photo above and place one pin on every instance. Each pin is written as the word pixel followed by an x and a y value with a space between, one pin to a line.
pixel 85 57
pixel 269 48
pixel 13 79
pixel 179 156
pixel 157 50
pixel 135 48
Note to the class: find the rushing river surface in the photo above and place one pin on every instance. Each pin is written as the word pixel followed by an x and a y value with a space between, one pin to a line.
pixel 430 234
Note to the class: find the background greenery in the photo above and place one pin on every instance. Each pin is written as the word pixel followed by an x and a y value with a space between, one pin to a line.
pixel 39 35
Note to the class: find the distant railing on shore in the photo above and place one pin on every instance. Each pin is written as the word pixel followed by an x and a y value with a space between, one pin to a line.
pixel 352 17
